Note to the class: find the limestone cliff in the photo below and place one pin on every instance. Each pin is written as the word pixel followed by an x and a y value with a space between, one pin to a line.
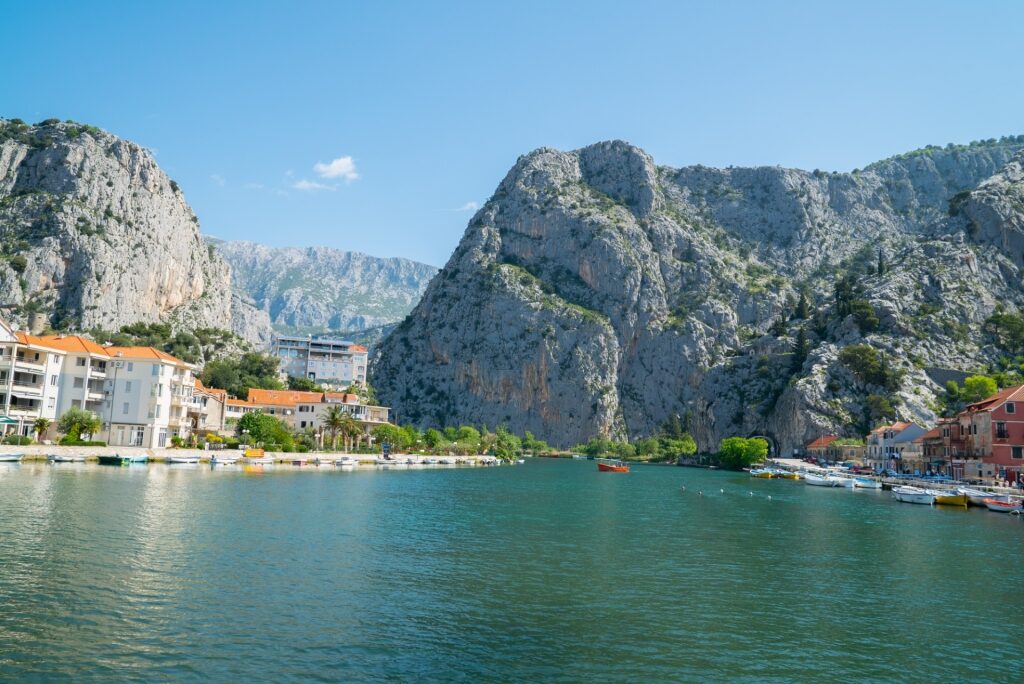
pixel 94 234
pixel 598 293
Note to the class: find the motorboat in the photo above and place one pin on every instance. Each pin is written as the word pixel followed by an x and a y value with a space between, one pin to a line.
pixel 11 458
pixel 786 474
pixel 866 483
pixel 520 461
pixel 914 495
pixel 1000 506
pixel 65 458
pixel 945 497
pixel 821 480
pixel 183 458
pixel 258 460
pixel 447 460
pixel 612 467
pixel 119 459
pixel 763 473
pixel 346 461
pixel 299 461
pixel 977 497
pixel 224 459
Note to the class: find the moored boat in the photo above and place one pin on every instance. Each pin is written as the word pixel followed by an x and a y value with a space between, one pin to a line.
pixel 944 497
pixel 1004 506
pixel 65 458
pixel 820 480
pixel 11 458
pixel 612 467
pixel 346 461
pixel 914 495
pixel 224 459
pixel 183 458
pixel 763 473
pixel 977 497
pixel 866 483
pixel 786 474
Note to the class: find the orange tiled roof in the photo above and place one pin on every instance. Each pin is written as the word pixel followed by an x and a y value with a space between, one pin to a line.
pixel 76 344
pixel 934 433
pixel 237 402
pixel 822 442
pixel 344 397
pixel 283 397
pixel 73 343
pixel 357 348
pixel 996 400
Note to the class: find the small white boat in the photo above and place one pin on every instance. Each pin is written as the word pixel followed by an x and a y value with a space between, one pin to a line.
pixel 866 483
pixel 520 461
pixel 821 480
pixel 430 460
pixel 976 497
pixel 447 460
pixel 65 458
pixel 224 459
pixel 183 458
pixel 11 458
pixel 913 495
pixel 258 460
pixel 347 461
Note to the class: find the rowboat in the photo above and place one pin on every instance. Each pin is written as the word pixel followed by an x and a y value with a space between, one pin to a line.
pixel 258 460
pixel 299 461
pixel 948 498
pixel 612 467
pixel 11 458
pixel 1004 506
pixel 118 459
pixel 913 495
pixel 786 474
pixel 346 461
pixel 447 460
pixel 866 483
pixel 821 480
pixel 65 458
pixel 977 497
pixel 224 459
pixel 183 458
pixel 763 473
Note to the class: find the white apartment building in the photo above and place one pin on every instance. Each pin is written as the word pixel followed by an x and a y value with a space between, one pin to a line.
pixel 140 394
pixel 29 381
pixel 321 359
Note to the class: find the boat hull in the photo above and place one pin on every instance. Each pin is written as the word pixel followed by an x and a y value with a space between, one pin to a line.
pixel 819 481
pixel 11 458
pixel 612 468
pixel 1003 506
pixel 66 458
pixel 914 496
pixel 950 499
pixel 863 483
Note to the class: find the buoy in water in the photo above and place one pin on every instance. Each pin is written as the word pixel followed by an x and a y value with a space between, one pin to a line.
pixel 721 491
pixel 700 493
pixel 769 497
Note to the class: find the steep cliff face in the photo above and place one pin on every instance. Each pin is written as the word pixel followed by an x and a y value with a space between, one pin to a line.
pixel 94 234
pixel 317 289
pixel 597 293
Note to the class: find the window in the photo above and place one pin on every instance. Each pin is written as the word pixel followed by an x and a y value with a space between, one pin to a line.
pixel 156 369
pixel 1001 432
pixel 53 381
pixel 160 390
pixel 162 439
pixel 1011 407
pixel 1018 452
pixel 124 408
pixel 131 366
pixel 127 385
pixel 80 362
pixel 138 434
pixel 157 411
pixel 78 383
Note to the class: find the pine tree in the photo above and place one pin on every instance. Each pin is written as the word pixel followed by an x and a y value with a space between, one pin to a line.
pixel 881 262
pixel 802 308
pixel 801 349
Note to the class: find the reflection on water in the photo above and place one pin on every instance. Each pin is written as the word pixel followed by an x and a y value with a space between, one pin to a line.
pixel 549 571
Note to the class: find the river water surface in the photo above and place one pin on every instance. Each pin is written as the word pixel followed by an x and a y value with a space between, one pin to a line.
pixel 549 571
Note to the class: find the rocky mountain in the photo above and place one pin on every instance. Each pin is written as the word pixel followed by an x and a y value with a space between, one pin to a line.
pixel 319 289
pixel 597 293
pixel 94 235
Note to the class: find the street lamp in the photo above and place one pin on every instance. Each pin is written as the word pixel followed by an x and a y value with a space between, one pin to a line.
pixel 113 393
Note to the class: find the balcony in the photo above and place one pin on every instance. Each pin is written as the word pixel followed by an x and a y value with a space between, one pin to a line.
pixel 24 389
pixel 97 373
pixel 94 395
pixel 20 362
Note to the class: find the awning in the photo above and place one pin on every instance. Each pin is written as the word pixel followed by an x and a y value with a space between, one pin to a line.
pixel 6 420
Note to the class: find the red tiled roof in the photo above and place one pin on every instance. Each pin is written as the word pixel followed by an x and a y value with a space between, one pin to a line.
pixel 283 397
pixel 934 433
pixel 357 348
pixel 822 442
pixel 996 400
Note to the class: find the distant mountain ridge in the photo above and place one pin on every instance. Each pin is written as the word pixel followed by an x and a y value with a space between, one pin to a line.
pixel 323 289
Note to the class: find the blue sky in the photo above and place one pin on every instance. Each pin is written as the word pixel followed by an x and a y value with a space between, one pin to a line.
pixel 378 126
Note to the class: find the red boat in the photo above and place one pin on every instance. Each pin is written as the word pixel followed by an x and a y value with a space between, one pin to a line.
pixel 612 467
pixel 1003 506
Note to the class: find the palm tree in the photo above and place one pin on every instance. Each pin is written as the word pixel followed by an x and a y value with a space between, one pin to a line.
pixel 334 420
pixel 92 426
pixel 350 428
pixel 41 425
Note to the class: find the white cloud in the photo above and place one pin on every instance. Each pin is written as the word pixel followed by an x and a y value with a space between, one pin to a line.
pixel 342 167
pixel 311 186
pixel 218 179
pixel 254 186
pixel 469 206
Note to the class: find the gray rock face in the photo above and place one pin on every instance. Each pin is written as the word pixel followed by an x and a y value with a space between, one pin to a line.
pixel 94 234
pixel 318 289
pixel 597 293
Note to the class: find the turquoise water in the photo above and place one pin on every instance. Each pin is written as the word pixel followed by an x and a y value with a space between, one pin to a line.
pixel 548 571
